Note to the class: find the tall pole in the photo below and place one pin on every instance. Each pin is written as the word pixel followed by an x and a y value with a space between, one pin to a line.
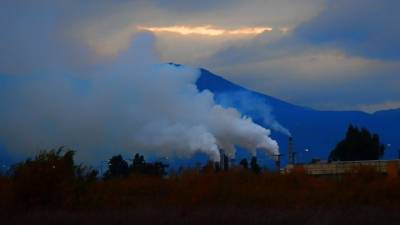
pixel 278 162
pixel 222 159
pixel 290 151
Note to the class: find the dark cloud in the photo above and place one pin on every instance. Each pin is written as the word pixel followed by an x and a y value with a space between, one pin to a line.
pixel 330 89
pixel 257 50
pixel 34 37
pixel 346 57
pixel 367 28
pixel 194 6
pixel 332 48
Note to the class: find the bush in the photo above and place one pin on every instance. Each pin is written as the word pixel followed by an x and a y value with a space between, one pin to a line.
pixel 358 145
pixel 51 178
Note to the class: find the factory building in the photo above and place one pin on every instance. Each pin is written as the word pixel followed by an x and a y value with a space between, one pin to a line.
pixel 325 168
pixel 321 168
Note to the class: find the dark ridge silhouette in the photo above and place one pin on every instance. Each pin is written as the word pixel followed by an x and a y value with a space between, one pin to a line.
pixel 311 129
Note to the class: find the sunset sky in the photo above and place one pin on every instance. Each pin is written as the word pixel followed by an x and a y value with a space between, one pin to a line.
pixel 330 55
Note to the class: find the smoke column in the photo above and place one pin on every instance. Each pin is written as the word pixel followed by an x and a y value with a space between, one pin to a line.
pixel 133 104
pixel 253 106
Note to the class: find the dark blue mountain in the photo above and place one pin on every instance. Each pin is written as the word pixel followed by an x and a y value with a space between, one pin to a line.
pixel 315 130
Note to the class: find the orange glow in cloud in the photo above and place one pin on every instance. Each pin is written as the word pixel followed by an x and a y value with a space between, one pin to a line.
pixel 207 30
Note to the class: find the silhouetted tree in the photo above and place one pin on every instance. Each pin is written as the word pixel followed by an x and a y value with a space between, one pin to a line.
pixel 50 178
pixel 117 167
pixel 357 145
pixel 138 163
pixel 217 167
pixel 154 169
pixel 254 165
pixel 139 166
pixel 208 168
pixel 244 163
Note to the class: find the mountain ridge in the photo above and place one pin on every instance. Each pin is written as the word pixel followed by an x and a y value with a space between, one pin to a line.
pixel 312 129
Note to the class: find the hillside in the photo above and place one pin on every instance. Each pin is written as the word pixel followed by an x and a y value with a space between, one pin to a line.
pixel 311 129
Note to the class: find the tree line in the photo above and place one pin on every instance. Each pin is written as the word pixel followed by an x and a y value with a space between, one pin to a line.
pixel 358 144
pixel 52 178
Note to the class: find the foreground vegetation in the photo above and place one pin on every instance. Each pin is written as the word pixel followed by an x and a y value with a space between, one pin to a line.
pixel 51 189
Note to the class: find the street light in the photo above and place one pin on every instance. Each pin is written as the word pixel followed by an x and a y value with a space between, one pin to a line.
pixel 392 153
pixel 398 153
pixel 307 150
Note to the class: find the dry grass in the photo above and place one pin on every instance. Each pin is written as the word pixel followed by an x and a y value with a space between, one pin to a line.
pixel 234 197
pixel 208 215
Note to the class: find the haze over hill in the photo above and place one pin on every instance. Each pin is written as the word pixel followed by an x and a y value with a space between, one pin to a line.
pixel 315 130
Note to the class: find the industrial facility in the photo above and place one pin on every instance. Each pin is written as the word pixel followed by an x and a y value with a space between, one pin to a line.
pixel 319 167
pixel 325 168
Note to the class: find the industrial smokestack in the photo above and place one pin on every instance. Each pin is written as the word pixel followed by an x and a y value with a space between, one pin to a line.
pixel 221 159
pixel 290 151
pixel 132 102
pixel 224 160
pixel 278 161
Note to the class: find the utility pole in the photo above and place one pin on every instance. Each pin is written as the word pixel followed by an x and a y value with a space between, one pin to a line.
pixel 291 153
pixel 278 162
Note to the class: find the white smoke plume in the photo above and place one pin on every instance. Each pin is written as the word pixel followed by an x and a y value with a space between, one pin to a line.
pixel 134 104
pixel 254 106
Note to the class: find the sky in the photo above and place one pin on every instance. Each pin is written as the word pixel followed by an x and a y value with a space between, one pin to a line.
pixel 324 54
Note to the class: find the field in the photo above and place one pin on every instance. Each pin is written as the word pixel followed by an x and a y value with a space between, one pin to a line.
pixel 209 215
pixel 237 196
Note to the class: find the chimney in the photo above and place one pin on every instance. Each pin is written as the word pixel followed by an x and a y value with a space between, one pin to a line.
pixel 223 161
pixel 226 162
pixel 278 162
pixel 290 151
